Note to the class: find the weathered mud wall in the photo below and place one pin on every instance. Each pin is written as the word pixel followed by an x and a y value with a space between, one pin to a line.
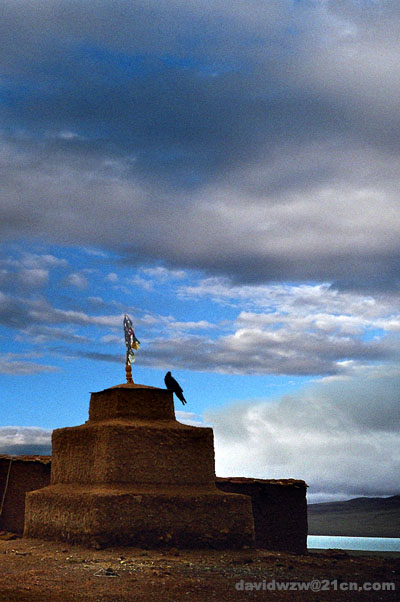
pixel 279 506
pixel 19 474
pixel 279 510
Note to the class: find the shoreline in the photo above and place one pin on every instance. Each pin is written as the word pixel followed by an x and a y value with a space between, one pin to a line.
pixel 374 553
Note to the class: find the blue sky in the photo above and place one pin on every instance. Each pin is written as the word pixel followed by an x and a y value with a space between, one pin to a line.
pixel 228 176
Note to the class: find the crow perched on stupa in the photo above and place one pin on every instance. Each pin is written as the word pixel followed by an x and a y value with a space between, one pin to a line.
pixel 174 386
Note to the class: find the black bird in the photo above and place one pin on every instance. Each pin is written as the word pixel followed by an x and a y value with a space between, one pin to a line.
pixel 172 385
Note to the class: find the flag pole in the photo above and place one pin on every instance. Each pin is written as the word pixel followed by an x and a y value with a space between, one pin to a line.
pixel 128 372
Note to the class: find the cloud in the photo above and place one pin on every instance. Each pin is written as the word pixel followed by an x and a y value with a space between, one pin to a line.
pixel 163 274
pixel 46 313
pixel 307 330
pixel 97 356
pixel 251 141
pixel 27 260
pixel 334 436
pixel 19 363
pixel 25 272
pixel 77 280
pixel 189 418
pixel 41 334
pixel 283 329
pixel 37 321
pixel 34 278
pixel 256 352
pixel 111 277
pixel 25 440
pixel 149 278
pixel 143 283
pixel 321 305
pixel 173 326
pixel 24 279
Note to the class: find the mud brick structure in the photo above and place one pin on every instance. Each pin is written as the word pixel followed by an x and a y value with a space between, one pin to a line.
pixel 133 475
pixel 18 475
pixel 279 506
pixel 279 510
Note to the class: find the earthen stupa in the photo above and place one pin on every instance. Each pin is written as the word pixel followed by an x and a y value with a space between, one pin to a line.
pixel 133 475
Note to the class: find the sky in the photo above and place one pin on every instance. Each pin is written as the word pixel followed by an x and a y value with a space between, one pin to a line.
pixel 226 173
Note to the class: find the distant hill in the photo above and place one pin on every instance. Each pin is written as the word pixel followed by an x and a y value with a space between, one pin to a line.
pixel 359 517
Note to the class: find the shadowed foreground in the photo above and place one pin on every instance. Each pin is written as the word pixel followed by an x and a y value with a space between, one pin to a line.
pixel 36 570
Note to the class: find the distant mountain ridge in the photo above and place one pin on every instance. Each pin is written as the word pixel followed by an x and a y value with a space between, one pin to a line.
pixel 358 517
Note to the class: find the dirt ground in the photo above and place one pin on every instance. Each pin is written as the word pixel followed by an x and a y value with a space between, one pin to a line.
pixel 35 570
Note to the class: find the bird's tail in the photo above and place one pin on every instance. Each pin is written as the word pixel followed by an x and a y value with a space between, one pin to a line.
pixel 181 397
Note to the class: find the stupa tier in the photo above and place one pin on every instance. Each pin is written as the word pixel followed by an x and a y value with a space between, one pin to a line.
pixel 133 475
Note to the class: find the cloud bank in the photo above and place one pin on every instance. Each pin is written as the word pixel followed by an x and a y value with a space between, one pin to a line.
pixel 252 140
pixel 341 438
pixel 25 440
pixel 288 329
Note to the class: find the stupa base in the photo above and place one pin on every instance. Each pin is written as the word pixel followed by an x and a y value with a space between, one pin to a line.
pixel 140 516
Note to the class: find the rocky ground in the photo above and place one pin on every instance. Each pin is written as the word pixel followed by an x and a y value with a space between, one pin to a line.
pixel 34 570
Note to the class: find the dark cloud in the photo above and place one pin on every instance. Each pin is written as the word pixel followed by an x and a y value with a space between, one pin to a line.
pixel 255 140
pixel 100 357
pixel 22 449
pixel 261 352
pixel 12 313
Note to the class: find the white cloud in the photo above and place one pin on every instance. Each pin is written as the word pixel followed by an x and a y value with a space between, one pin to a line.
pixel 96 300
pixel 42 334
pixel 164 274
pixel 19 363
pixel 341 438
pixel 111 339
pixel 77 280
pixel 66 135
pixel 26 272
pixel 44 312
pixel 190 418
pixel 28 260
pixel 35 277
pixel 284 329
pixel 46 260
pixel 143 283
pixel 275 329
pixel 111 277
pixel 25 440
pixel 175 326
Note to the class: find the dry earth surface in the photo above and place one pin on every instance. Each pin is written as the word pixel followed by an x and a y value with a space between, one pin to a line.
pixel 35 570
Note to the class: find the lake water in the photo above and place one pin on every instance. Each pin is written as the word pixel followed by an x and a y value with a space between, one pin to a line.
pixel 376 544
